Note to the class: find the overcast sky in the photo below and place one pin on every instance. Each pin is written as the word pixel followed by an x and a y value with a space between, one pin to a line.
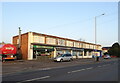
pixel 74 20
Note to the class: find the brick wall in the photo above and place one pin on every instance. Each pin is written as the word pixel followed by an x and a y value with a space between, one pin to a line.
pixel 24 45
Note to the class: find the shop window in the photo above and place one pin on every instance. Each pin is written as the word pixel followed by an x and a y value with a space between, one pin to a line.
pixel 80 54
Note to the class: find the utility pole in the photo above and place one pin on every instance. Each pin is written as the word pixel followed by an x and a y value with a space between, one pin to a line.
pixel 19 45
pixel 19 56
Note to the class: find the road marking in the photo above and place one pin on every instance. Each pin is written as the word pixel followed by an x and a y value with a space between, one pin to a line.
pixel 99 66
pixel 90 68
pixel 34 79
pixel 45 69
pixel 103 65
pixel 108 64
pixel 115 63
pixel 76 71
pixel 80 70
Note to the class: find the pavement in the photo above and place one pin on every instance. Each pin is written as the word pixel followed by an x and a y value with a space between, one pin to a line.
pixel 9 67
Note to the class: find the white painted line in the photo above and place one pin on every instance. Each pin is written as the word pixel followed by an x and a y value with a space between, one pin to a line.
pixel 80 70
pixel 104 65
pixel 34 79
pixel 90 68
pixel 99 66
pixel 108 64
pixel 76 71
pixel 38 78
pixel 69 72
pixel 115 63
pixel 45 69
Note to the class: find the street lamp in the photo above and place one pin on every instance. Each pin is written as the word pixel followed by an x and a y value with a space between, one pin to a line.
pixel 96 27
pixel 96 34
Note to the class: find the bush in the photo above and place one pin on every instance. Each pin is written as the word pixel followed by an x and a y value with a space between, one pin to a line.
pixel 115 50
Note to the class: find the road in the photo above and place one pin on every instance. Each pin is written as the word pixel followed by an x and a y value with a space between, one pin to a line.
pixel 98 71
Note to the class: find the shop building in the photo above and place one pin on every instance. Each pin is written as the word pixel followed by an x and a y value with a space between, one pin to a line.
pixel 36 44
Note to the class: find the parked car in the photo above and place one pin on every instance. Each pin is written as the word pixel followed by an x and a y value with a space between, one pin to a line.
pixel 113 56
pixel 107 56
pixel 64 57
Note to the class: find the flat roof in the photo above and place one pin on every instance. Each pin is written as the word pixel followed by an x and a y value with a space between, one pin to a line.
pixel 58 37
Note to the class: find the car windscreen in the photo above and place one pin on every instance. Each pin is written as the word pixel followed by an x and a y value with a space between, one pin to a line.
pixel 63 55
pixel 67 55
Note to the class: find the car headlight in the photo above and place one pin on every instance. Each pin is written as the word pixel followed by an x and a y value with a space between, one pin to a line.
pixel 58 59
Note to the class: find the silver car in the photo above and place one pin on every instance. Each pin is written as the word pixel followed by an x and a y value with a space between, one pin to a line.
pixel 64 57
pixel 107 57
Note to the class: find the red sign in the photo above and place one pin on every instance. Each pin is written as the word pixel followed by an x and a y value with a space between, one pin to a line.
pixel 8 49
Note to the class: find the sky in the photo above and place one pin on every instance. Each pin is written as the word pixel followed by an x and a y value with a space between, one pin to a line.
pixel 73 20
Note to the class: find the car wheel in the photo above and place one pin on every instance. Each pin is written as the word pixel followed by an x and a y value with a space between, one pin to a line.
pixel 71 59
pixel 61 60
pixel 3 60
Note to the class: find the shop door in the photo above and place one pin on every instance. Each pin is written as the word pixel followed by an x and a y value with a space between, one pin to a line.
pixel 35 53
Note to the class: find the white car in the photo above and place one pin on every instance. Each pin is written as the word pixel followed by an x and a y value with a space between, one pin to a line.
pixel 64 57
pixel 107 57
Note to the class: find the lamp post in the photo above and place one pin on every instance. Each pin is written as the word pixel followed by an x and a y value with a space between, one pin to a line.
pixel 97 58
pixel 96 27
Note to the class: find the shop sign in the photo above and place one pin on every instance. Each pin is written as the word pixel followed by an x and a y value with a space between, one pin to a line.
pixel 37 46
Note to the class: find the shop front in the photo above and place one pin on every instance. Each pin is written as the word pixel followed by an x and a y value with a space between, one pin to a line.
pixel 62 50
pixel 53 51
pixel 39 50
pixel 78 53
pixel 88 53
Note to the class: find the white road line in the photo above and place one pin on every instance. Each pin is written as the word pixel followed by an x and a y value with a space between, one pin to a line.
pixel 103 65
pixel 80 70
pixel 76 71
pixel 99 66
pixel 115 63
pixel 108 64
pixel 45 69
pixel 34 79
pixel 90 68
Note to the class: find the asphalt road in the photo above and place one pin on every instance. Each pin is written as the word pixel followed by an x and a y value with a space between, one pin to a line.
pixel 98 71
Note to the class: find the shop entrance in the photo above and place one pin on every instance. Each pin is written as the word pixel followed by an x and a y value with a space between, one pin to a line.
pixel 42 51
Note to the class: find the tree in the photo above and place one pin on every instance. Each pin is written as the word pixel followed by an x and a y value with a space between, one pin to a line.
pixel 115 50
pixel 2 42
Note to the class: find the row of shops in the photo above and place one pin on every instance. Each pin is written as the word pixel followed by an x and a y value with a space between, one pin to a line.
pixel 34 45
pixel 53 51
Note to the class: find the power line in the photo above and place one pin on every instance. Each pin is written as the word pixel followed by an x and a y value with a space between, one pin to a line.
pixel 82 21
pixel 71 23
